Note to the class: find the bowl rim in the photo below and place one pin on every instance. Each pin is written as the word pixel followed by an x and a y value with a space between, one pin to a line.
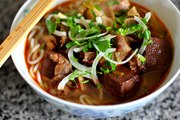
pixel 99 107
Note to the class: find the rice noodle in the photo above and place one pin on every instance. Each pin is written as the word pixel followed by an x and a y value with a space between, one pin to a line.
pixel 32 43
pixel 31 35
pixel 34 30
pixel 34 55
pixel 31 71
pixel 39 78
pixel 87 100
pixel 31 53
pixel 36 67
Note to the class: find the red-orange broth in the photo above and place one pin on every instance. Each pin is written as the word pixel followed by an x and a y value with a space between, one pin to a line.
pixel 151 80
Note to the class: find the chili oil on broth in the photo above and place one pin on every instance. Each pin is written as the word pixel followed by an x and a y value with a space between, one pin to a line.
pixel 151 80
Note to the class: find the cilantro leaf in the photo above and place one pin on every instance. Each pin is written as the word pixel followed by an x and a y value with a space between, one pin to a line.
pixel 141 58
pixel 113 2
pixel 51 26
pixel 104 45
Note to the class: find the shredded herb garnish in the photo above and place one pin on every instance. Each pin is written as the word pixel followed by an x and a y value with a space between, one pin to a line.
pixel 113 2
pixel 141 58
pixel 51 26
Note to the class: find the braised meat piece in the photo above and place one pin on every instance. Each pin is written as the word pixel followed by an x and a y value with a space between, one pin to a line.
pixel 123 48
pixel 48 66
pixel 123 5
pixel 55 66
pixel 121 82
pixel 136 65
pixel 158 54
pixel 89 57
pixel 63 66
pixel 63 39
pixel 50 41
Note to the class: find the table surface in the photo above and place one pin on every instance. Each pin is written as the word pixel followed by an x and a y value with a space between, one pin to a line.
pixel 19 102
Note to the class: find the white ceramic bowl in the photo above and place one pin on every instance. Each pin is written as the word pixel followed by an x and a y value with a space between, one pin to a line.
pixel 164 9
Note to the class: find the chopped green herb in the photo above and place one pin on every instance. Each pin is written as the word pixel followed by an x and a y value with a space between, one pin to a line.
pixel 129 29
pixel 42 46
pixel 94 14
pixel 51 26
pixel 141 58
pixel 99 86
pixel 104 45
pixel 58 20
pixel 70 44
pixel 76 74
pixel 74 59
pixel 105 70
pixel 113 2
pixel 98 7
pixel 85 81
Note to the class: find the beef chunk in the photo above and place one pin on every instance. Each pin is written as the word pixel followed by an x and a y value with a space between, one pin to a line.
pixel 55 66
pixel 63 39
pixel 89 57
pixel 48 66
pixel 121 82
pixel 50 41
pixel 123 5
pixel 123 48
pixel 158 54
pixel 63 66
pixel 136 65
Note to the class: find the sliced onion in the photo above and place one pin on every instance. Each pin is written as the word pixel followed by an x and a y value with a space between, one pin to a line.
pixel 60 33
pixel 94 65
pixel 76 64
pixel 148 16
pixel 107 51
pixel 39 78
pixel 122 62
pixel 140 22
pixel 87 38
pixel 79 49
pixel 99 20
pixel 62 16
pixel 64 23
pixel 65 80
pixel 109 36
pixel 142 48
pixel 51 16
pixel 113 50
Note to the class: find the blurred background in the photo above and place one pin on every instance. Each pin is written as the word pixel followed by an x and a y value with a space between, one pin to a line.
pixel 19 102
